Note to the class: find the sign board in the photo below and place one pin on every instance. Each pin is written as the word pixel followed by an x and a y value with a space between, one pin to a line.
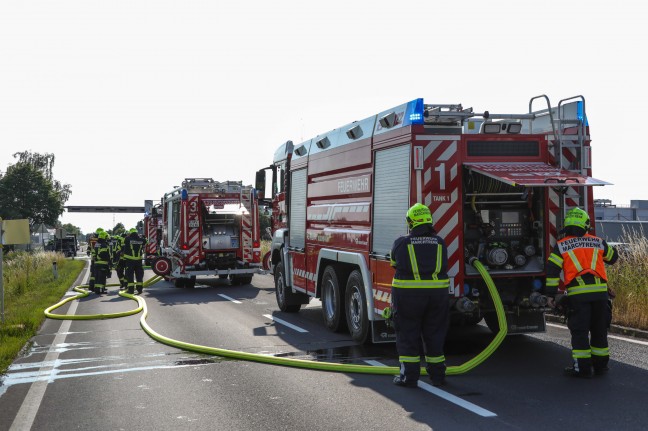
pixel 15 232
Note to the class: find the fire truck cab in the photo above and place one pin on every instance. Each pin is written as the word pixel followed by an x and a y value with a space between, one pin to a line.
pixel 498 186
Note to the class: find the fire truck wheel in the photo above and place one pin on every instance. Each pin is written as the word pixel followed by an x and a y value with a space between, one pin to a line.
pixel 356 308
pixel 283 292
pixel 332 301
pixel 179 282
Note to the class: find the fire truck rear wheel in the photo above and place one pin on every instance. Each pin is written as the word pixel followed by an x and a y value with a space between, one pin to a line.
pixel 282 292
pixel 179 282
pixel 332 301
pixel 356 308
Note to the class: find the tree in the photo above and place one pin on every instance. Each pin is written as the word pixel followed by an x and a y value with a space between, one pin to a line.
pixel 71 229
pixel 26 193
pixel 119 229
pixel 45 164
pixel 29 190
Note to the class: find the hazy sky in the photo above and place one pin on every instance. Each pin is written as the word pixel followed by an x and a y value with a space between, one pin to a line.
pixel 133 96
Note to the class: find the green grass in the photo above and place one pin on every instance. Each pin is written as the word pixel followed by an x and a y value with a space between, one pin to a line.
pixel 30 288
pixel 628 278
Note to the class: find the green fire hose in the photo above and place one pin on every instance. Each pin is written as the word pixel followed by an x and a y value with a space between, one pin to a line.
pixel 291 362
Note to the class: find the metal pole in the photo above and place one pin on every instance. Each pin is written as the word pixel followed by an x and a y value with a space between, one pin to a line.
pixel 1 276
pixel 1 283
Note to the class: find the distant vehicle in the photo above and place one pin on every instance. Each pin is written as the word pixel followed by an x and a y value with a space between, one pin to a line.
pixel 68 245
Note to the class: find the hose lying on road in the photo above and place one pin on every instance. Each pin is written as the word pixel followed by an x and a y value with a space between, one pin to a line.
pixel 82 294
pixel 291 362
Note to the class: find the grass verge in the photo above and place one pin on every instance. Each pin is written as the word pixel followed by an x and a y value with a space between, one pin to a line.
pixel 628 278
pixel 30 287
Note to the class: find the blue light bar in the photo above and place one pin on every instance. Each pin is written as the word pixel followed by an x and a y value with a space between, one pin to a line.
pixel 580 114
pixel 414 113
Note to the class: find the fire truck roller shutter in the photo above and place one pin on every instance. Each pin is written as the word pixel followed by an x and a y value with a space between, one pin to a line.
pixel 391 197
pixel 298 209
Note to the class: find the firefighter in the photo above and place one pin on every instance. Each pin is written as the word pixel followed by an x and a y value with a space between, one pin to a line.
pixel 118 262
pixel 102 263
pixel 132 252
pixel 91 252
pixel 420 299
pixel 581 258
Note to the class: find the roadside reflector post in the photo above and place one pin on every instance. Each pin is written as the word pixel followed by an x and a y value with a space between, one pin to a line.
pixel 55 270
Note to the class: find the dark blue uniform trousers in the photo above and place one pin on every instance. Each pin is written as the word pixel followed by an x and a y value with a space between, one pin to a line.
pixel 421 319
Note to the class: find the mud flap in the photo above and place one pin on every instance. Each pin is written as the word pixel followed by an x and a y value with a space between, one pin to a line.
pixel 381 333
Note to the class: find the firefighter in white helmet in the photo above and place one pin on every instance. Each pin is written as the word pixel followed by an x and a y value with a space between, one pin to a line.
pixel 420 303
pixel 581 258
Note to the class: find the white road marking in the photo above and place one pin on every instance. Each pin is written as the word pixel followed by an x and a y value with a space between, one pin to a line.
pixel 447 396
pixel 229 299
pixel 616 337
pixel 283 322
pixel 629 340
pixel 27 413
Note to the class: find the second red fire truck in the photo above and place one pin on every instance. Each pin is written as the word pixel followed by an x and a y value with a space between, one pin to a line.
pixel 209 228
pixel 498 186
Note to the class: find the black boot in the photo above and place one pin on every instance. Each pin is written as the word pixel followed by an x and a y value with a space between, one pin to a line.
pixel 400 381
pixel 574 371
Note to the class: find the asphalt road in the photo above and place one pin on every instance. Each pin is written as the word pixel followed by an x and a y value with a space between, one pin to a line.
pixel 109 375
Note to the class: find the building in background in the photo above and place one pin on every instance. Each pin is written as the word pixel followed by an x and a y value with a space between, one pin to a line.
pixel 618 223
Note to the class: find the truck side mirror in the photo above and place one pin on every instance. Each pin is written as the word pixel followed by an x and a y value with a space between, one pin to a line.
pixel 260 183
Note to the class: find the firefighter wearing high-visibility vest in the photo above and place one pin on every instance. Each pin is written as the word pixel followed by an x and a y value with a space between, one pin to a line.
pixel 118 262
pixel 420 303
pixel 91 251
pixel 102 263
pixel 581 258
pixel 132 252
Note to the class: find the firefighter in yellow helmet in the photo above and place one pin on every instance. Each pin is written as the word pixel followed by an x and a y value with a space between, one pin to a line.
pixel 581 258
pixel 102 262
pixel 132 253
pixel 420 303
pixel 92 253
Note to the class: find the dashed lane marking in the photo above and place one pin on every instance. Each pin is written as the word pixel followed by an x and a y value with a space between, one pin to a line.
pixel 229 299
pixel 283 322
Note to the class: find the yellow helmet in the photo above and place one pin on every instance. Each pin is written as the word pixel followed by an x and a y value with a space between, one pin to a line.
pixel 417 215
pixel 577 217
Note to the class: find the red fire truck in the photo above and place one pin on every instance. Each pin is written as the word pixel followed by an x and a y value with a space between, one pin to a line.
pixel 209 228
pixel 498 186
pixel 153 227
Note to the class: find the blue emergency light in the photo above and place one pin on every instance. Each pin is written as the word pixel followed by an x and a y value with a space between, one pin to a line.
pixel 580 113
pixel 414 113
pixel 184 194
